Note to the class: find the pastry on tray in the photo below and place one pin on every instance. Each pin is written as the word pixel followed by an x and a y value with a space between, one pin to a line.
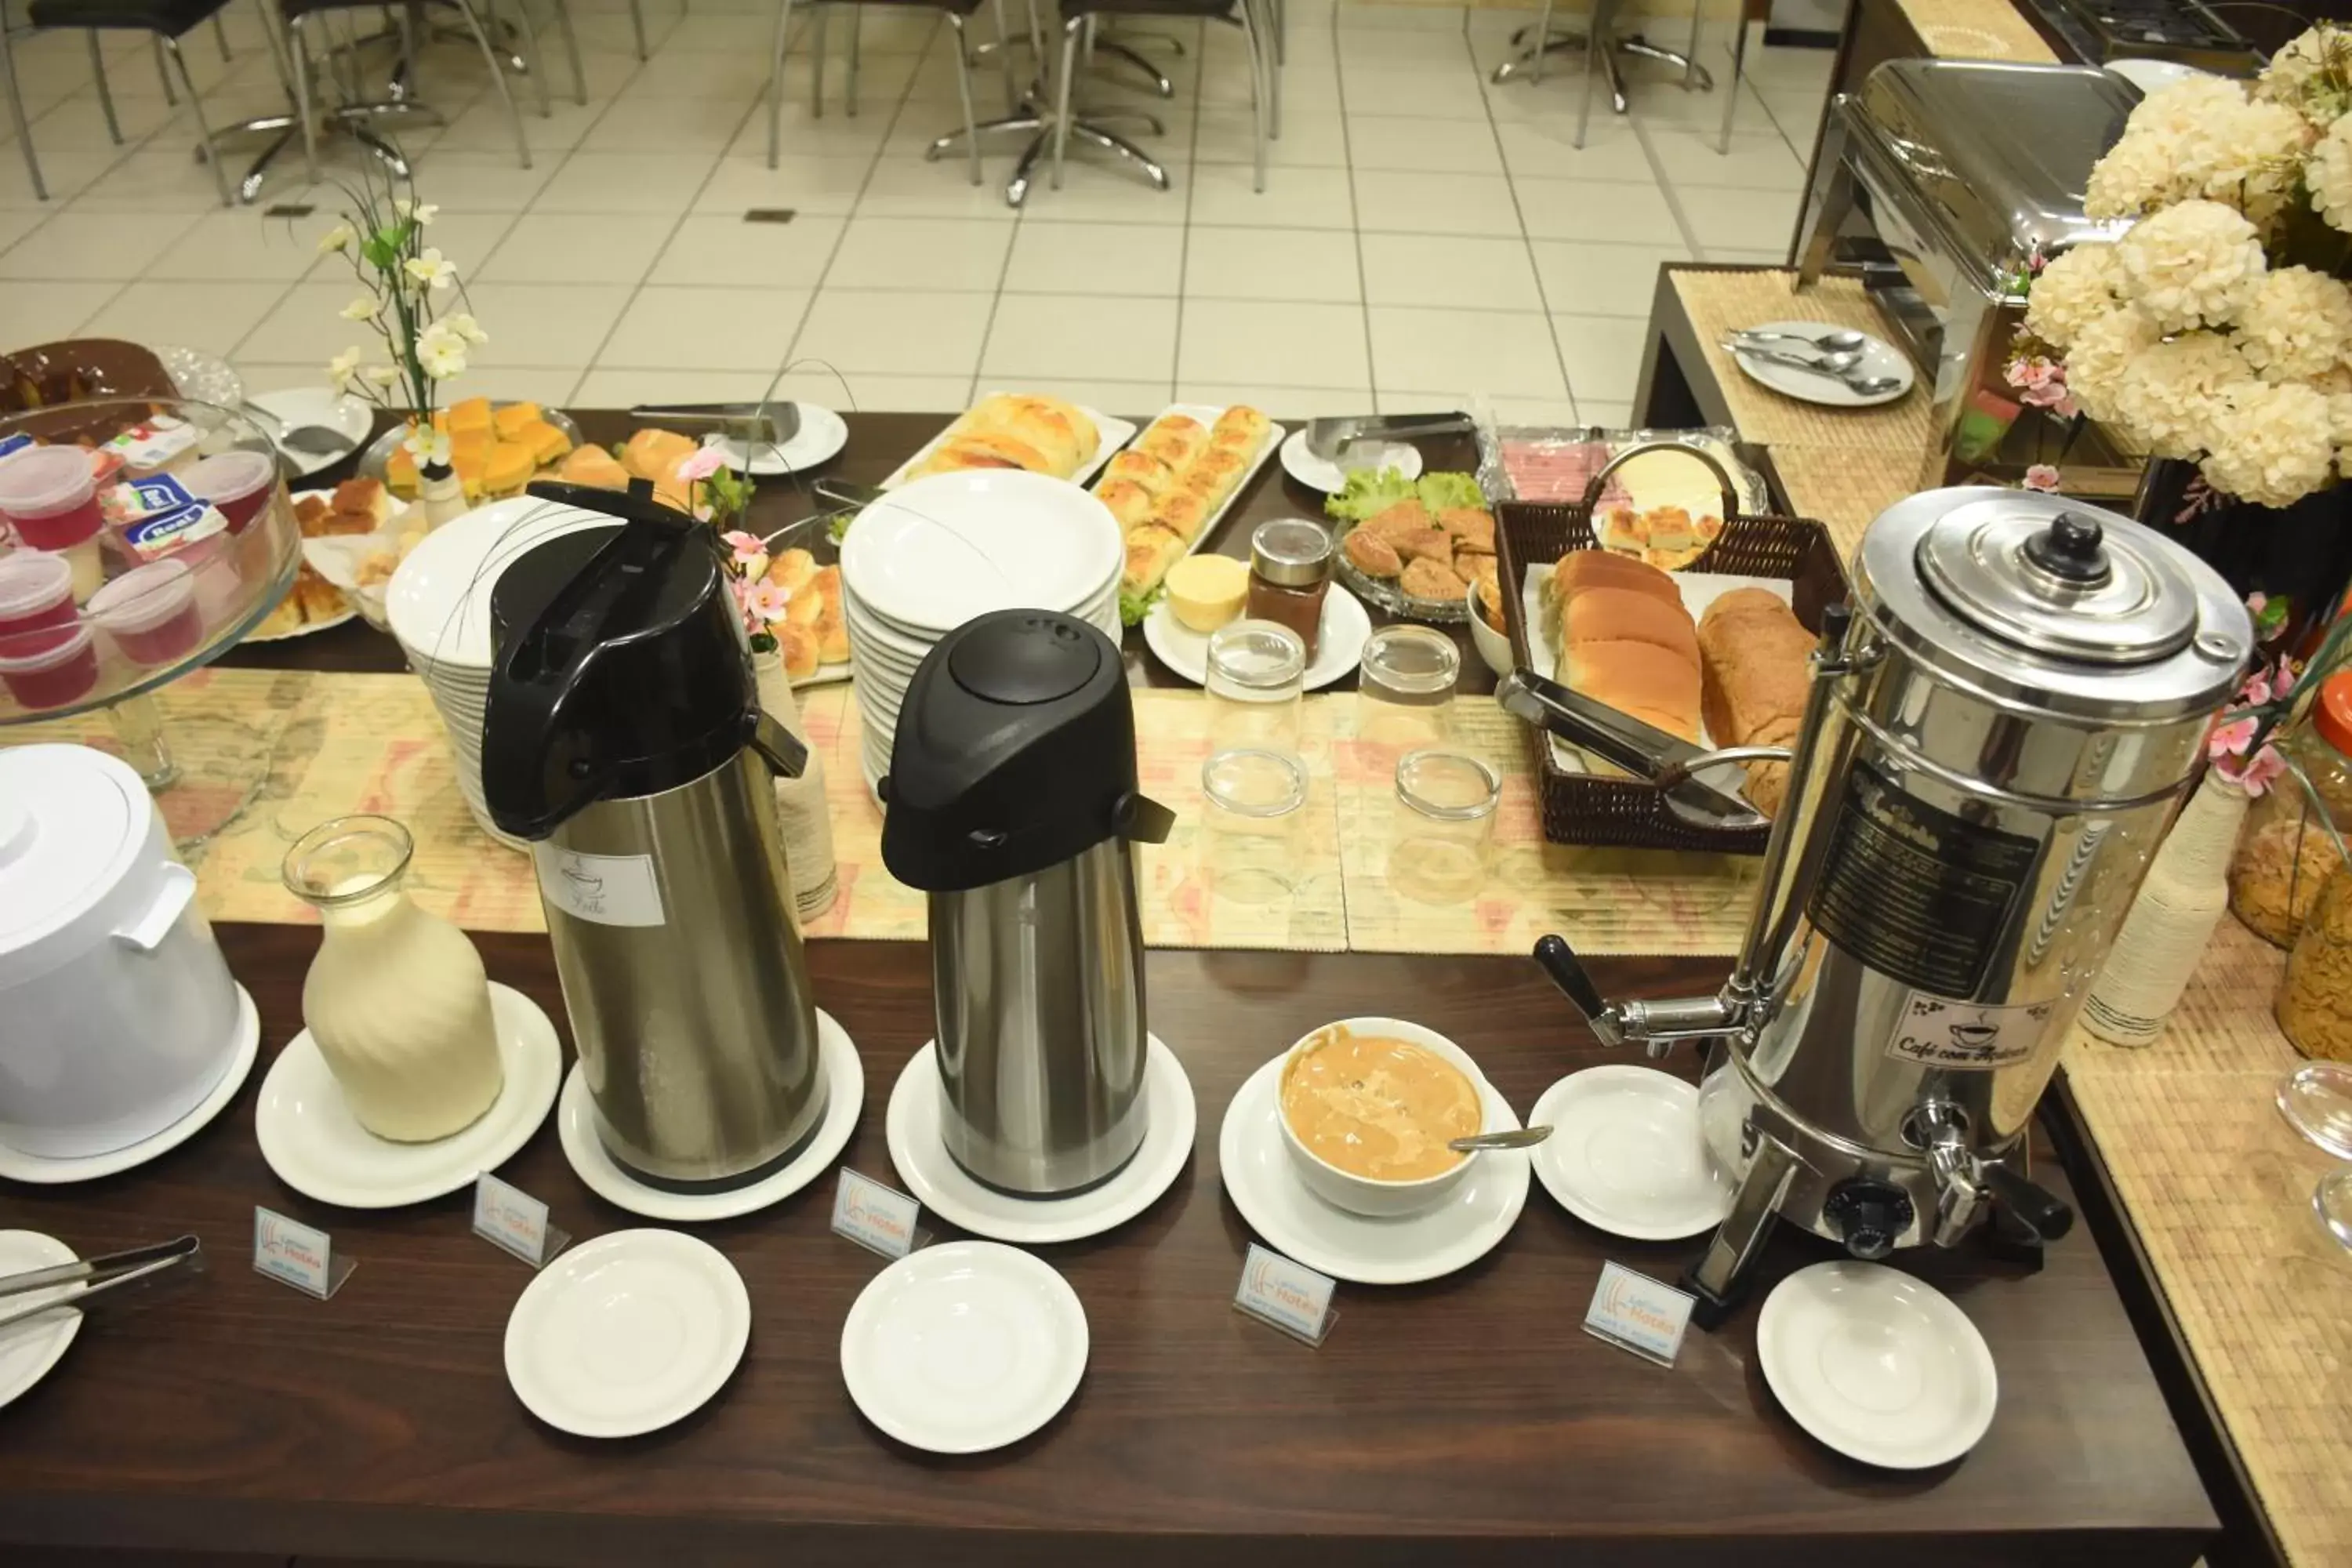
pixel 1015 430
pixel 1430 538
pixel 1179 473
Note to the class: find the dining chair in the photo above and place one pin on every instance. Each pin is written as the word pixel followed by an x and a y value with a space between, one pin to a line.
pixel 1602 46
pixel 165 20
pixel 958 13
pixel 355 113
pixel 1080 15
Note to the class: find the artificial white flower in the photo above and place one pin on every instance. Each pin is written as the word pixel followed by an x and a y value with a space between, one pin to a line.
pixel 2102 351
pixel 2191 265
pixel 440 351
pixel 342 367
pixel 428 446
pixel 2172 395
pixel 2133 175
pixel 2297 326
pixel 339 237
pixel 466 329
pixel 2272 446
pixel 2073 290
pixel 360 310
pixel 381 375
pixel 2249 157
pixel 2184 106
pixel 2311 75
pixel 431 270
pixel 423 212
pixel 2201 138
pixel 2330 175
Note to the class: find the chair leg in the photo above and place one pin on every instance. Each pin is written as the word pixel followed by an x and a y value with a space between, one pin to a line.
pixel 776 80
pixel 498 76
pixel 1690 56
pixel 1071 31
pixel 1004 58
pixel 964 91
pixel 527 33
pixel 1542 34
pixel 97 79
pixel 196 110
pixel 220 37
pixel 817 19
pixel 163 73
pixel 571 51
pixel 857 16
pixel 17 113
pixel 271 21
pixel 637 23
pixel 1261 68
pixel 1739 69
pixel 1596 44
pixel 300 47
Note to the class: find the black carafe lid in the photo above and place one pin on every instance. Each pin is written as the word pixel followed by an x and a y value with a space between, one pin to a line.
pixel 618 664
pixel 1015 751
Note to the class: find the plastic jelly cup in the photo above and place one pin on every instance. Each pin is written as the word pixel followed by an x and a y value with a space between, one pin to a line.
pixel 150 612
pixel 50 496
pixel 36 601
pixel 53 677
pixel 239 483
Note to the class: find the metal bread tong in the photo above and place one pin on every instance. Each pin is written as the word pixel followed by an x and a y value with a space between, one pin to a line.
pixel 95 1274
pixel 770 423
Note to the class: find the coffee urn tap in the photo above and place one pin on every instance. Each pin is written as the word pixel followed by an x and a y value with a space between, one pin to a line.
pixel 1994 741
pixel 1013 802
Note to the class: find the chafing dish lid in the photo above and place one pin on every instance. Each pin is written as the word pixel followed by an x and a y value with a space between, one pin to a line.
pixel 2038 596
pixel 1997 154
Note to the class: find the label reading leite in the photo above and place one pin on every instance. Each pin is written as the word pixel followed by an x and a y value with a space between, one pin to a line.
pixel 1635 1312
pixel 1967 1037
pixel 1287 1295
pixel 608 890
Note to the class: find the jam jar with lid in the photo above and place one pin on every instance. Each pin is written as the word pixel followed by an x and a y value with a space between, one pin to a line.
pixel 1290 573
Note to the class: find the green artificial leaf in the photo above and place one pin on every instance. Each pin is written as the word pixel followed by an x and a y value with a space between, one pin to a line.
pixel 1369 493
pixel 1134 607
pixel 838 525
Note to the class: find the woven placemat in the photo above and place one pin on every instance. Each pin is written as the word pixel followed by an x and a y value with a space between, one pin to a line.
pixel 1719 302
pixel 1976 30
pixel 2218 1188
pixel 1844 488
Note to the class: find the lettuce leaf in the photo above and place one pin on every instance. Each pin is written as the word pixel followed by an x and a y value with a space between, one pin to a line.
pixel 1439 491
pixel 1368 493
pixel 1134 607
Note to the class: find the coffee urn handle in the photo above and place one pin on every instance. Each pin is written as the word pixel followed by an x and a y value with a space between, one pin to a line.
pixel 2033 1206
pixel 1568 972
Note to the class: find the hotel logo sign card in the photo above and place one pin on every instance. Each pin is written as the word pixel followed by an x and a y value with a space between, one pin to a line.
pixel 1635 1312
pixel 1285 1295
pixel 298 1255
pixel 513 1221
pixel 878 1218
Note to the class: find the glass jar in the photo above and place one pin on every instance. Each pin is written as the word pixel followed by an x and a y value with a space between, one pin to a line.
pixel 1444 826
pixel 1257 684
pixel 397 1001
pixel 1404 688
pixel 2286 852
pixel 1290 573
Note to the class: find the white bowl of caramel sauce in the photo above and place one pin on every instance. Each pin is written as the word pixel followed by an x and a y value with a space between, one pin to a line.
pixel 1367 1106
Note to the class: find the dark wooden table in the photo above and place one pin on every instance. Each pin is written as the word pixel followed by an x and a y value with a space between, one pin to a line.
pixel 1467 1421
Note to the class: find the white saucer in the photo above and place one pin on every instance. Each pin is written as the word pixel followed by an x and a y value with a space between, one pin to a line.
pixel 316 1146
pixel 1877 1365
pixel 844 1094
pixel 28 1351
pixel 1266 1187
pixel 628 1333
pixel 1878 358
pixel 320 405
pixel 1330 478
pixel 963 1347
pixel 822 434
pixel 1626 1154
pixel 17 1165
pixel 1338 643
pixel 949 1192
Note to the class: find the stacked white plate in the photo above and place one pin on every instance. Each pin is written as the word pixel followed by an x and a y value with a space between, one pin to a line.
pixel 439 605
pixel 939 551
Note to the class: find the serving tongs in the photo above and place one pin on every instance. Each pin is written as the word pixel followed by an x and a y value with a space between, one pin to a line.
pixel 95 1274
pixel 766 424
pixel 1665 759
pixel 1331 438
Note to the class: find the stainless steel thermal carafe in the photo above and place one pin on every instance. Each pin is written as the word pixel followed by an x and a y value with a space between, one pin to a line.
pixel 1012 800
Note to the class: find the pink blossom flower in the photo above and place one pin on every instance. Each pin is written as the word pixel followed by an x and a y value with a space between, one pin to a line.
pixel 2257 689
pixel 2041 476
pixel 2030 372
pixel 2256 776
pixel 744 545
pixel 767 601
pixel 2283 682
pixel 2256 602
pixel 743 588
pixel 2231 740
pixel 704 462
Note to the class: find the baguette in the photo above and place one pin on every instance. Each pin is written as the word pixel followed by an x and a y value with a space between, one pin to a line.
pixel 1753 652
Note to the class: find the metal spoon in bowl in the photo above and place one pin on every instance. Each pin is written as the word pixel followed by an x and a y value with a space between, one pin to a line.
pixel 1840 341
pixel 1517 1138
pixel 1833 367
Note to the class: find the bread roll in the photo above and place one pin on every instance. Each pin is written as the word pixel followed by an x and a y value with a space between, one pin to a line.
pixel 1754 652
pixel 1653 684
pixel 792 570
pixel 1242 429
pixel 654 454
pixel 1150 550
pixel 1181 513
pixel 1175 440
pixel 1214 474
pixel 1141 468
pixel 1062 439
pixel 1625 615
pixel 1128 501
pixel 799 648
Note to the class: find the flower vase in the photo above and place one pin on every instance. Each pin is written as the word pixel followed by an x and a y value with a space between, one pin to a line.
pixel 2172 918
pixel 2301 552
pixel 800 809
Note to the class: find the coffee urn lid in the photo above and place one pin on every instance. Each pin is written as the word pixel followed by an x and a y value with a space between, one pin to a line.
pixel 76 827
pixel 1015 751
pixel 2042 599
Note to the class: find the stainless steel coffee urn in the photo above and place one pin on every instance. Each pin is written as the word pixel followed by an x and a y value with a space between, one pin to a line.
pixel 1995 739
pixel 1013 802
pixel 623 738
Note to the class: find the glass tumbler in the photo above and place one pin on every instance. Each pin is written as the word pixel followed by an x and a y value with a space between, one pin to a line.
pixel 1444 827
pixel 2316 1101
pixel 1257 689
pixel 1250 824
pixel 1404 688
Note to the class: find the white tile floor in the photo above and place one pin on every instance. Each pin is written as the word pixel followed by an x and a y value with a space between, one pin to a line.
pixel 1424 234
